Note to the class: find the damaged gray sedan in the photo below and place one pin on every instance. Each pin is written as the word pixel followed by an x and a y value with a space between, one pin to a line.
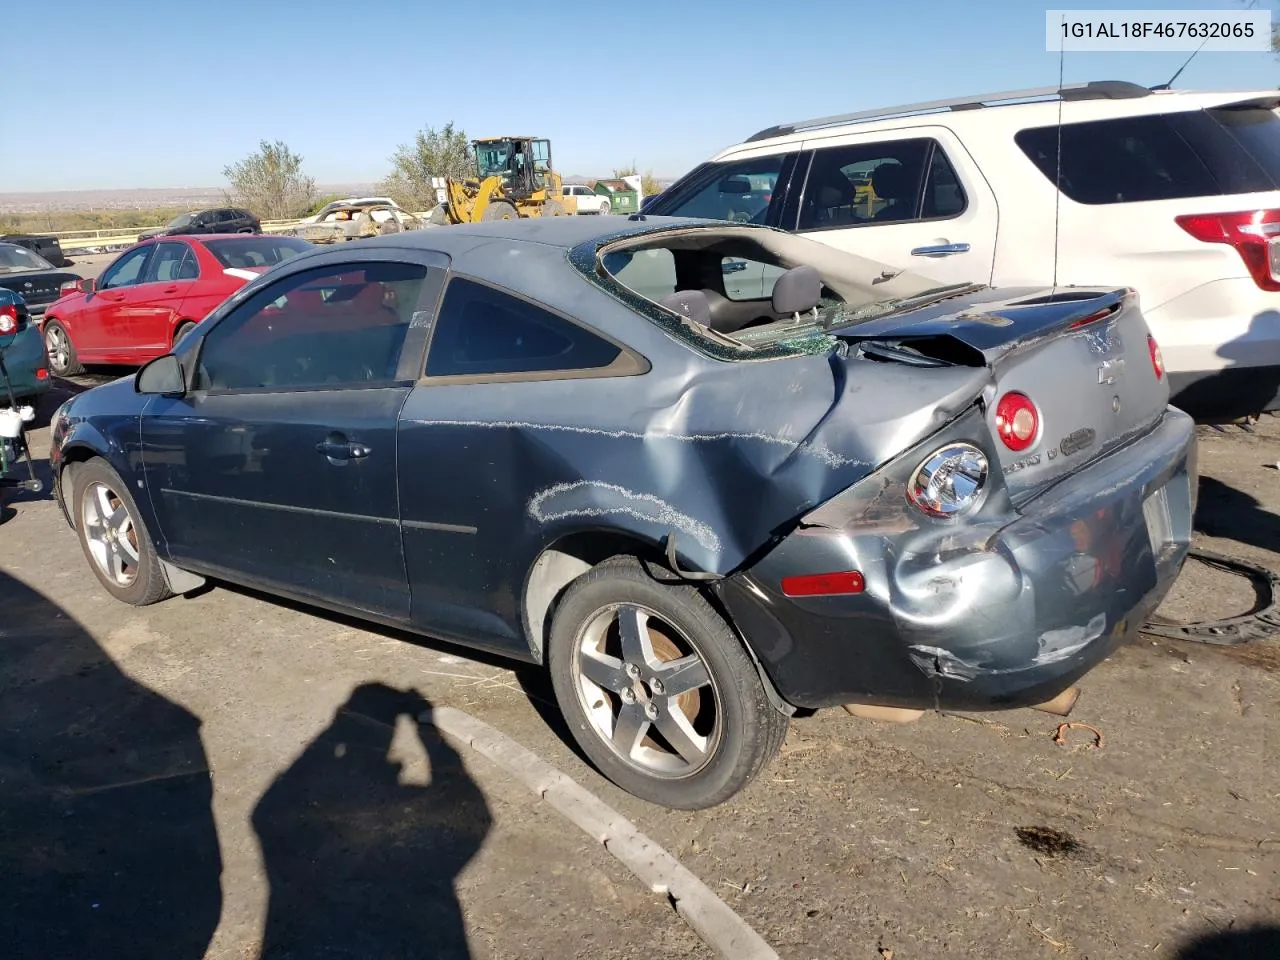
pixel 703 495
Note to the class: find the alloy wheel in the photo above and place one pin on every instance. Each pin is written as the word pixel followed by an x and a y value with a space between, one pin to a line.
pixel 110 533
pixel 647 691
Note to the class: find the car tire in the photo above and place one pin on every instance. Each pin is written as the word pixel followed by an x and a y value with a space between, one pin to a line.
pixel 185 327
pixel 113 537
pixel 553 208
pixel 604 209
pixel 61 352
pixel 688 751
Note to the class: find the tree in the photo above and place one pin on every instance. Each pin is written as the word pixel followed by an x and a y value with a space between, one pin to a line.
pixel 1275 28
pixel 648 182
pixel 271 182
pixel 433 153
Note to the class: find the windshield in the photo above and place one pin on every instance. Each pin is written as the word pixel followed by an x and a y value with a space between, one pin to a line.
pixel 16 259
pixel 255 251
pixel 182 220
pixel 492 158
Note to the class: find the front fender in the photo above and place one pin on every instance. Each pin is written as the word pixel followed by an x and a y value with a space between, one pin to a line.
pixel 78 440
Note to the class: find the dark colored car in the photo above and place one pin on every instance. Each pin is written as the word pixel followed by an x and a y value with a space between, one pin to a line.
pixel 50 248
pixel 32 277
pixel 558 439
pixel 152 294
pixel 22 351
pixel 217 220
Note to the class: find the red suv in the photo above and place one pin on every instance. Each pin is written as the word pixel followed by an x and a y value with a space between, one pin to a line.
pixel 152 294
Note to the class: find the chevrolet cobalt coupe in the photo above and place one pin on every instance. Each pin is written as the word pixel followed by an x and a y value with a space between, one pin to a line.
pixel 566 441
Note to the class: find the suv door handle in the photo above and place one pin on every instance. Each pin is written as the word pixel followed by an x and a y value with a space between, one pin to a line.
pixel 336 448
pixel 940 250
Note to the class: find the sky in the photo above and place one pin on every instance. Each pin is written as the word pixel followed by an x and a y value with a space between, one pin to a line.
pixel 145 93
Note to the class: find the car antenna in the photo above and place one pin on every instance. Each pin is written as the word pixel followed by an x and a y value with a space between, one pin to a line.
pixel 1169 84
pixel 1057 177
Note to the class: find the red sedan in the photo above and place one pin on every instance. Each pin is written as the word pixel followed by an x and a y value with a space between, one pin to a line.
pixel 152 294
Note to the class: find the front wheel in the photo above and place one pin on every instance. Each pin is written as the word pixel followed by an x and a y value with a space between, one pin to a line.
pixel 604 209
pixel 113 537
pixel 60 350
pixel 657 689
pixel 183 329
pixel 500 210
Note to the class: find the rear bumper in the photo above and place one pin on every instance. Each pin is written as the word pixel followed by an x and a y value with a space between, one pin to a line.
pixel 985 616
pixel 26 363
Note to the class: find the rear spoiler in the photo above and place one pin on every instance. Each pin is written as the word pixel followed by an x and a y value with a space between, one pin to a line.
pixel 1000 326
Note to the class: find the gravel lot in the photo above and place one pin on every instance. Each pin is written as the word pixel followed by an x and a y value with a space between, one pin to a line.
pixel 337 821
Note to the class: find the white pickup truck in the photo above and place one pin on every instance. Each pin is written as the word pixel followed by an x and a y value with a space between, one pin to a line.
pixel 585 200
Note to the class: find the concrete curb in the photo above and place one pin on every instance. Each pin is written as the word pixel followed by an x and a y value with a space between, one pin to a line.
pixel 710 917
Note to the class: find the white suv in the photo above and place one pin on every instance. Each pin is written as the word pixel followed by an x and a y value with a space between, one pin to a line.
pixel 1173 193
pixel 586 200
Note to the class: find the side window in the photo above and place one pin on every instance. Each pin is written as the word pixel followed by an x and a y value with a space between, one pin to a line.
pixel 335 326
pixel 650 273
pixel 741 190
pixel 126 271
pixel 888 182
pixel 1159 157
pixel 749 279
pixel 166 264
pixel 482 331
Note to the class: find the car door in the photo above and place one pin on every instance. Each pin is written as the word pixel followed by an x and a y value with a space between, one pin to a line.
pixel 278 466
pixel 153 313
pixel 910 198
pixel 101 327
pixel 464 488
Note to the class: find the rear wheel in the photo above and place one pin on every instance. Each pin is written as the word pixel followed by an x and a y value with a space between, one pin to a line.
pixel 500 210
pixel 554 208
pixel 657 689
pixel 185 327
pixel 604 209
pixel 63 361
pixel 438 217
pixel 114 540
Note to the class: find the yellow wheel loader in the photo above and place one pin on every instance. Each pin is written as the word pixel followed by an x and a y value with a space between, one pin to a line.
pixel 514 178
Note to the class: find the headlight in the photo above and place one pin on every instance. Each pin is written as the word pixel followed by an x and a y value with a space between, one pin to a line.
pixel 949 481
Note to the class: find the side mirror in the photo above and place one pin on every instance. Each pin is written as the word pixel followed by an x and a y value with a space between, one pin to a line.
pixel 162 376
pixel 88 285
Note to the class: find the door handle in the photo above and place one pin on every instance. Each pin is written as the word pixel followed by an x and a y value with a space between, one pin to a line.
pixel 173 288
pixel 940 250
pixel 336 449
pixel 113 297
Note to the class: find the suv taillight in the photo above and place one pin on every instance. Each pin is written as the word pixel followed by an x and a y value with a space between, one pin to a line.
pixel 1254 233
pixel 8 320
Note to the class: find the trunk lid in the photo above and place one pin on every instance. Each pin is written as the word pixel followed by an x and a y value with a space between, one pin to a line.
pixel 1082 357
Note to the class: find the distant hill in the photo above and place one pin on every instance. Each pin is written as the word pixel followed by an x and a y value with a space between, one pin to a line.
pixel 143 198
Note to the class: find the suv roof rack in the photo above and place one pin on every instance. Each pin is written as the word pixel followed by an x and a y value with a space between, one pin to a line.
pixel 1093 90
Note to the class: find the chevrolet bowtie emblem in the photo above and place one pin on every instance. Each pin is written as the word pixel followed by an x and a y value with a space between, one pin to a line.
pixel 1109 370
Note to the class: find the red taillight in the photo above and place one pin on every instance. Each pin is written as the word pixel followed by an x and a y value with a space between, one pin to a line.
pixel 42 374
pixel 822 584
pixel 8 320
pixel 1254 233
pixel 69 287
pixel 1017 421
pixel 1157 358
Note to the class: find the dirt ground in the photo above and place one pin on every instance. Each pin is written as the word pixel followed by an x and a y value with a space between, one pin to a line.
pixel 338 827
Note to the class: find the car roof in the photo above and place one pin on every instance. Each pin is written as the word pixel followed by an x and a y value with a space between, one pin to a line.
pixel 1012 109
